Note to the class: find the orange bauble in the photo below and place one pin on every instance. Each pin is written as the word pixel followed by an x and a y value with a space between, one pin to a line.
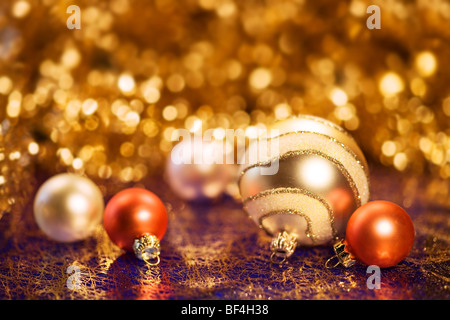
pixel 135 219
pixel 379 233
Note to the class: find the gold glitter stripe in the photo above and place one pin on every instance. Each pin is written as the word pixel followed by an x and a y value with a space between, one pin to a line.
pixel 266 193
pixel 340 166
pixel 266 163
pixel 358 161
pixel 322 121
pixel 308 220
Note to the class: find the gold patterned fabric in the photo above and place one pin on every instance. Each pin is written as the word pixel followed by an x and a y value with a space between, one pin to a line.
pixel 214 251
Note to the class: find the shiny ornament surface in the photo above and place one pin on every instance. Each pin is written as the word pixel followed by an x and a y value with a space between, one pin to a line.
pixel 322 178
pixel 133 213
pixel 68 207
pixel 379 233
pixel 198 170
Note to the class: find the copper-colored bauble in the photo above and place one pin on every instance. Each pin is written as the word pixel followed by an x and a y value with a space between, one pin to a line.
pixel 136 220
pixel 379 233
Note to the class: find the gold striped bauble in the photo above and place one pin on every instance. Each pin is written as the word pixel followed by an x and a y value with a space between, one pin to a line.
pixel 301 182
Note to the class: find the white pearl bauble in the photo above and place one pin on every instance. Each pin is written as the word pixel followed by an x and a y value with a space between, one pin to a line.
pixel 198 170
pixel 68 207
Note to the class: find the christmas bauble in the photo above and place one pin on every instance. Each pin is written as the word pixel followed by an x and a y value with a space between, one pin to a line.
pixel 68 207
pixel 135 219
pixel 302 181
pixel 378 233
pixel 197 170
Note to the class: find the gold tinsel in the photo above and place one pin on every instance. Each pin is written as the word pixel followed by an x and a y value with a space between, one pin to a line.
pixel 103 100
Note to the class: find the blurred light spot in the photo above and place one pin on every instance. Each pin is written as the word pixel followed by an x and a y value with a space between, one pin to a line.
pixel 77 163
pixel 344 112
pixel 72 109
pixel 418 87
pixel 20 9
pixel 65 81
pixel 120 6
pixel 14 103
pixel 170 113
pixel 425 144
pixel 175 83
pixel 426 63
pixel 91 123
pixel 400 161
pixel 196 126
pixel 226 9
pixel 5 85
pixel 137 105
pixel 358 8
pixel 324 67
pixel 60 97
pixel 219 133
pixel 282 111
pixel 190 121
pixel 65 156
pixel 352 123
pixel 95 78
pixel 126 174
pixel 338 97
pixel 150 128
pixel 89 106
pixel 391 84
pixel 404 126
pixel 260 78
pixel 234 69
pixel 388 148
pixel 86 153
pixel 193 61
pixel 14 155
pixel 33 148
pixel 126 84
pixel 251 132
pixel 207 4
pixel 105 172
pixel 167 133
pixel 71 58
pixel 151 94
pixel 437 156
pixel 127 149
pixel 424 114
pixel 132 119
